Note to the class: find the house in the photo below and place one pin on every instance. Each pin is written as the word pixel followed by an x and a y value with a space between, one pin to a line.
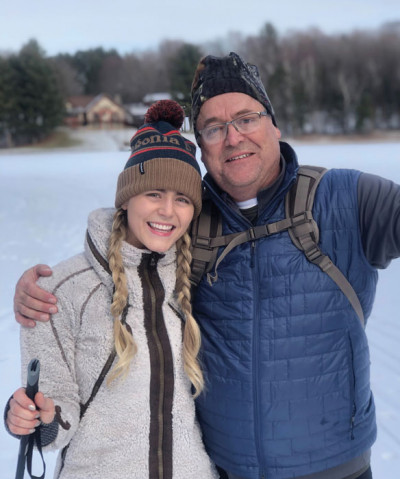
pixel 98 110
pixel 137 112
pixel 153 97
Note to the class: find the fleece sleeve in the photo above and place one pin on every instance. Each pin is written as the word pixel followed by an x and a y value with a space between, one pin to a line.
pixel 379 213
pixel 53 344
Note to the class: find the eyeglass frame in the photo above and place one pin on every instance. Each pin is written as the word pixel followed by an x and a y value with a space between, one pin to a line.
pixel 232 122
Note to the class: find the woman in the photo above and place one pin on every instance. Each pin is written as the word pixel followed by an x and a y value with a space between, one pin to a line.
pixel 127 296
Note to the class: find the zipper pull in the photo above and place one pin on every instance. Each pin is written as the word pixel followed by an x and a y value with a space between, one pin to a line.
pixel 352 421
pixel 252 254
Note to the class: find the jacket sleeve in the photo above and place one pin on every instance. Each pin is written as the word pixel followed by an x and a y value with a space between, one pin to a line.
pixel 54 345
pixel 379 213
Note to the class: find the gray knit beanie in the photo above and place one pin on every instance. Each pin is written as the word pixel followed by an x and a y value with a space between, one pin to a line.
pixel 215 76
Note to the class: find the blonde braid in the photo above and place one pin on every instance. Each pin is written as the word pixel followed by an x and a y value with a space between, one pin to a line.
pixel 191 334
pixel 125 346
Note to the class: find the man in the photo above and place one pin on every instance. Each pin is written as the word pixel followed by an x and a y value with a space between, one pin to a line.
pixel 285 355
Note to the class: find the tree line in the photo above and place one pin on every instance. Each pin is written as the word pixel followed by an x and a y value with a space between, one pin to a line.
pixel 317 83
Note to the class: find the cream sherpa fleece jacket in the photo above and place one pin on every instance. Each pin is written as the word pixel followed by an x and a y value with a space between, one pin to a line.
pixel 143 426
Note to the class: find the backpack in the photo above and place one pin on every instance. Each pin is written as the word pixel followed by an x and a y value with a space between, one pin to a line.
pixel 207 235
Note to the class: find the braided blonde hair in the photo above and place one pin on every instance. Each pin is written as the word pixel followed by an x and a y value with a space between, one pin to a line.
pixel 191 334
pixel 125 346
pixel 124 343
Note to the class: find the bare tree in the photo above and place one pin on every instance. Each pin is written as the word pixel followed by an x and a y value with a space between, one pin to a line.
pixel 67 77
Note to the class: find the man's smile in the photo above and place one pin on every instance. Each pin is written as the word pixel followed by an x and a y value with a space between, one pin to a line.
pixel 239 157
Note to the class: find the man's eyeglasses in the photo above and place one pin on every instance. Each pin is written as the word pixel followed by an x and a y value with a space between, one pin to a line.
pixel 244 124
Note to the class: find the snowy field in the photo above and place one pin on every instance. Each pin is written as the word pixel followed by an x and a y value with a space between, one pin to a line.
pixel 45 197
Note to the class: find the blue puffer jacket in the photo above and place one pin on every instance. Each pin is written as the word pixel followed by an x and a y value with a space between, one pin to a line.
pixel 285 356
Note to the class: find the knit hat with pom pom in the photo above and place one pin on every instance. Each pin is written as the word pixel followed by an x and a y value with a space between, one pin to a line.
pixel 161 158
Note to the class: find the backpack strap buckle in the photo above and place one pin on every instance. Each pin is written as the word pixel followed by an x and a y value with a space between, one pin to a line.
pixel 204 242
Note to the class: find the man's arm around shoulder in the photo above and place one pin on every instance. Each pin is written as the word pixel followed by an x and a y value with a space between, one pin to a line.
pixel 32 303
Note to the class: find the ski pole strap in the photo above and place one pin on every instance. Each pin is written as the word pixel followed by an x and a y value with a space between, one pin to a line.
pixel 34 439
pixel 26 453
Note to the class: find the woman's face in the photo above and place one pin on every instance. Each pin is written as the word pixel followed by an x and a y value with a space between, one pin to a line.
pixel 157 219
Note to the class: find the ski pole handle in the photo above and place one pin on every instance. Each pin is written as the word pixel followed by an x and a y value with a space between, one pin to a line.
pixel 32 383
pixel 32 387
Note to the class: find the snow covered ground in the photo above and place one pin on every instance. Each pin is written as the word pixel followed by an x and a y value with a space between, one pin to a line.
pixel 45 197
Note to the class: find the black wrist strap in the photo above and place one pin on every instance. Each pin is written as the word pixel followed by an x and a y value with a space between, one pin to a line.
pixel 34 440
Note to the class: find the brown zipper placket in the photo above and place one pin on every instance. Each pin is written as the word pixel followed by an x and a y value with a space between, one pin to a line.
pixel 161 382
pixel 161 374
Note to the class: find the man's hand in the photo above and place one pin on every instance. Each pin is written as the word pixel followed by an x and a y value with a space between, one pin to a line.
pixel 32 303
pixel 25 415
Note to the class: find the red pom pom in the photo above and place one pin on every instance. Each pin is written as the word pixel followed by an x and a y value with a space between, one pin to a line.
pixel 165 110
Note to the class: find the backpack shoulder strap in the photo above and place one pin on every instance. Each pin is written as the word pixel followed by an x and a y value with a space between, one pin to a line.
pixel 300 199
pixel 305 236
pixel 205 228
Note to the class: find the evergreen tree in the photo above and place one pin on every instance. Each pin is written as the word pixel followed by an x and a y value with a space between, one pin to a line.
pixel 35 104
pixel 182 67
pixel 6 101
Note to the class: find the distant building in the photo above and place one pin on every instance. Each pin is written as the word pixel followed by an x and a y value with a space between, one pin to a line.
pixel 102 109
pixel 153 97
pixel 97 110
pixel 137 112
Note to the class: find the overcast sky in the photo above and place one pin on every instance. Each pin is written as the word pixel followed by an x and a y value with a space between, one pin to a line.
pixel 70 25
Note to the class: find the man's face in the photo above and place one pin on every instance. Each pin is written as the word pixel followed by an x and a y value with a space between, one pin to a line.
pixel 240 164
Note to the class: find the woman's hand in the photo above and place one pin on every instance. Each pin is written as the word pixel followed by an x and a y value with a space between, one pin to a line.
pixel 25 415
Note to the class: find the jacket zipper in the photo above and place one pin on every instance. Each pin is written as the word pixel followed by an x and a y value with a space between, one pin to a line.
pixel 161 377
pixel 252 254
pixel 352 389
pixel 256 357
